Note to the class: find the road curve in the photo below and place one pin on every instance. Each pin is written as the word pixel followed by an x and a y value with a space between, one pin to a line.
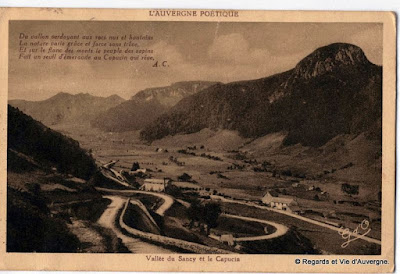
pixel 134 245
pixel 164 240
pixel 321 224
pixel 168 200
pixel 280 229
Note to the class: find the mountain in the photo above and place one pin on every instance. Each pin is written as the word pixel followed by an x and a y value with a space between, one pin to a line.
pixel 334 90
pixel 146 106
pixel 65 108
pixel 32 145
pixel 170 95
pixel 44 168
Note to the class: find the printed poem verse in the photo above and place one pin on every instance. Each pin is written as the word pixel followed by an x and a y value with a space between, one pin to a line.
pixel 66 47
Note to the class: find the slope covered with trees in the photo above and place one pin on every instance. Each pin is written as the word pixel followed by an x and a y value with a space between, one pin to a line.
pixel 335 90
pixel 46 146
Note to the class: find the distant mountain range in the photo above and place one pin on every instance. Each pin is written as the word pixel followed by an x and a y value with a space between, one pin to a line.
pixel 147 105
pixel 334 90
pixel 65 108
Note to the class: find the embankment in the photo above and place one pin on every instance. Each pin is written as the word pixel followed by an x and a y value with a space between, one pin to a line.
pixel 189 246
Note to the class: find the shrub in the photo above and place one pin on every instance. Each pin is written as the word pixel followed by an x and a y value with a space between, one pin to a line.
pixel 350 189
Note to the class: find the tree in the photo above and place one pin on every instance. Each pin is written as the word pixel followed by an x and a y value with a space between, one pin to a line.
pixel 205 214
pixel 173 191
pixel 210 216
pixel 194 212
pixel 184 177
pixel 135 166
pixel 350 189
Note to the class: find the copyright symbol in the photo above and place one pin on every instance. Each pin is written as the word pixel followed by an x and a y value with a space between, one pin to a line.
pixel 297 261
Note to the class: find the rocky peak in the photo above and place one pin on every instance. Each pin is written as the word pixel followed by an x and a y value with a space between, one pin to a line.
pixel 330 58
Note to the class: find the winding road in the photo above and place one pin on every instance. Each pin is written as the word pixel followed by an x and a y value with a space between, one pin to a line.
pixel 280 229
pixel 134 245
pixel 321 224
pixel 168 200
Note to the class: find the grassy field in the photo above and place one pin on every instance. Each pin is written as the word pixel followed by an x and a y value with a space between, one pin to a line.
pixel 242 182
pixel 323 239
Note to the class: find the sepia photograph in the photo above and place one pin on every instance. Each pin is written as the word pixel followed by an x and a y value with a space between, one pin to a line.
pixel 245 138
pixel 178 137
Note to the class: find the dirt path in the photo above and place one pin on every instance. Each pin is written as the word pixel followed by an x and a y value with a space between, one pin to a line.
pixel 178 243
pixel 331 227
pixel 133 244
pixel 110 215
pixel 280 229
pixel 168 200
pixel 184 203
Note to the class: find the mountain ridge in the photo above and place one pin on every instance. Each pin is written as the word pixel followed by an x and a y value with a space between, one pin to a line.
pixel 321 94
pixel 66 108
pixel 146 105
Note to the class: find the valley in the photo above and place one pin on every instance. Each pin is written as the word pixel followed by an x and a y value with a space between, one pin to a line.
pixel 239 182
pixel 278 165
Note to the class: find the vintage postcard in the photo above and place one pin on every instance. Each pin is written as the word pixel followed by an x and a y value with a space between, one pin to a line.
pixel 197 140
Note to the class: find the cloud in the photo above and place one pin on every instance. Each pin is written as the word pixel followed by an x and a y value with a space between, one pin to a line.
pixel 234 48
pixel 228 58
pixel 194 51
pixel 164 51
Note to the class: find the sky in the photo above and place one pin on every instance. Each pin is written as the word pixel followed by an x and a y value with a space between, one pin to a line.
pixel 207 51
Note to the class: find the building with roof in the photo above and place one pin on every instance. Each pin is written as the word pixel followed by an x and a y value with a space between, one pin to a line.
pixel 228 239
pixel 287 203
pixel 155 185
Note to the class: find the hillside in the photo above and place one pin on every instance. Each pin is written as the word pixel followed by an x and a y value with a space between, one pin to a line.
pixel 43 167
pixel 146 106
pixel 31 144
pixel 320 98
pixel 65 108
pixel 170 95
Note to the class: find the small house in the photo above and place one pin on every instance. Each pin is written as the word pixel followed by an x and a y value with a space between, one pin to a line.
pixel 280 202
pixel 155 185
pixel 228 239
